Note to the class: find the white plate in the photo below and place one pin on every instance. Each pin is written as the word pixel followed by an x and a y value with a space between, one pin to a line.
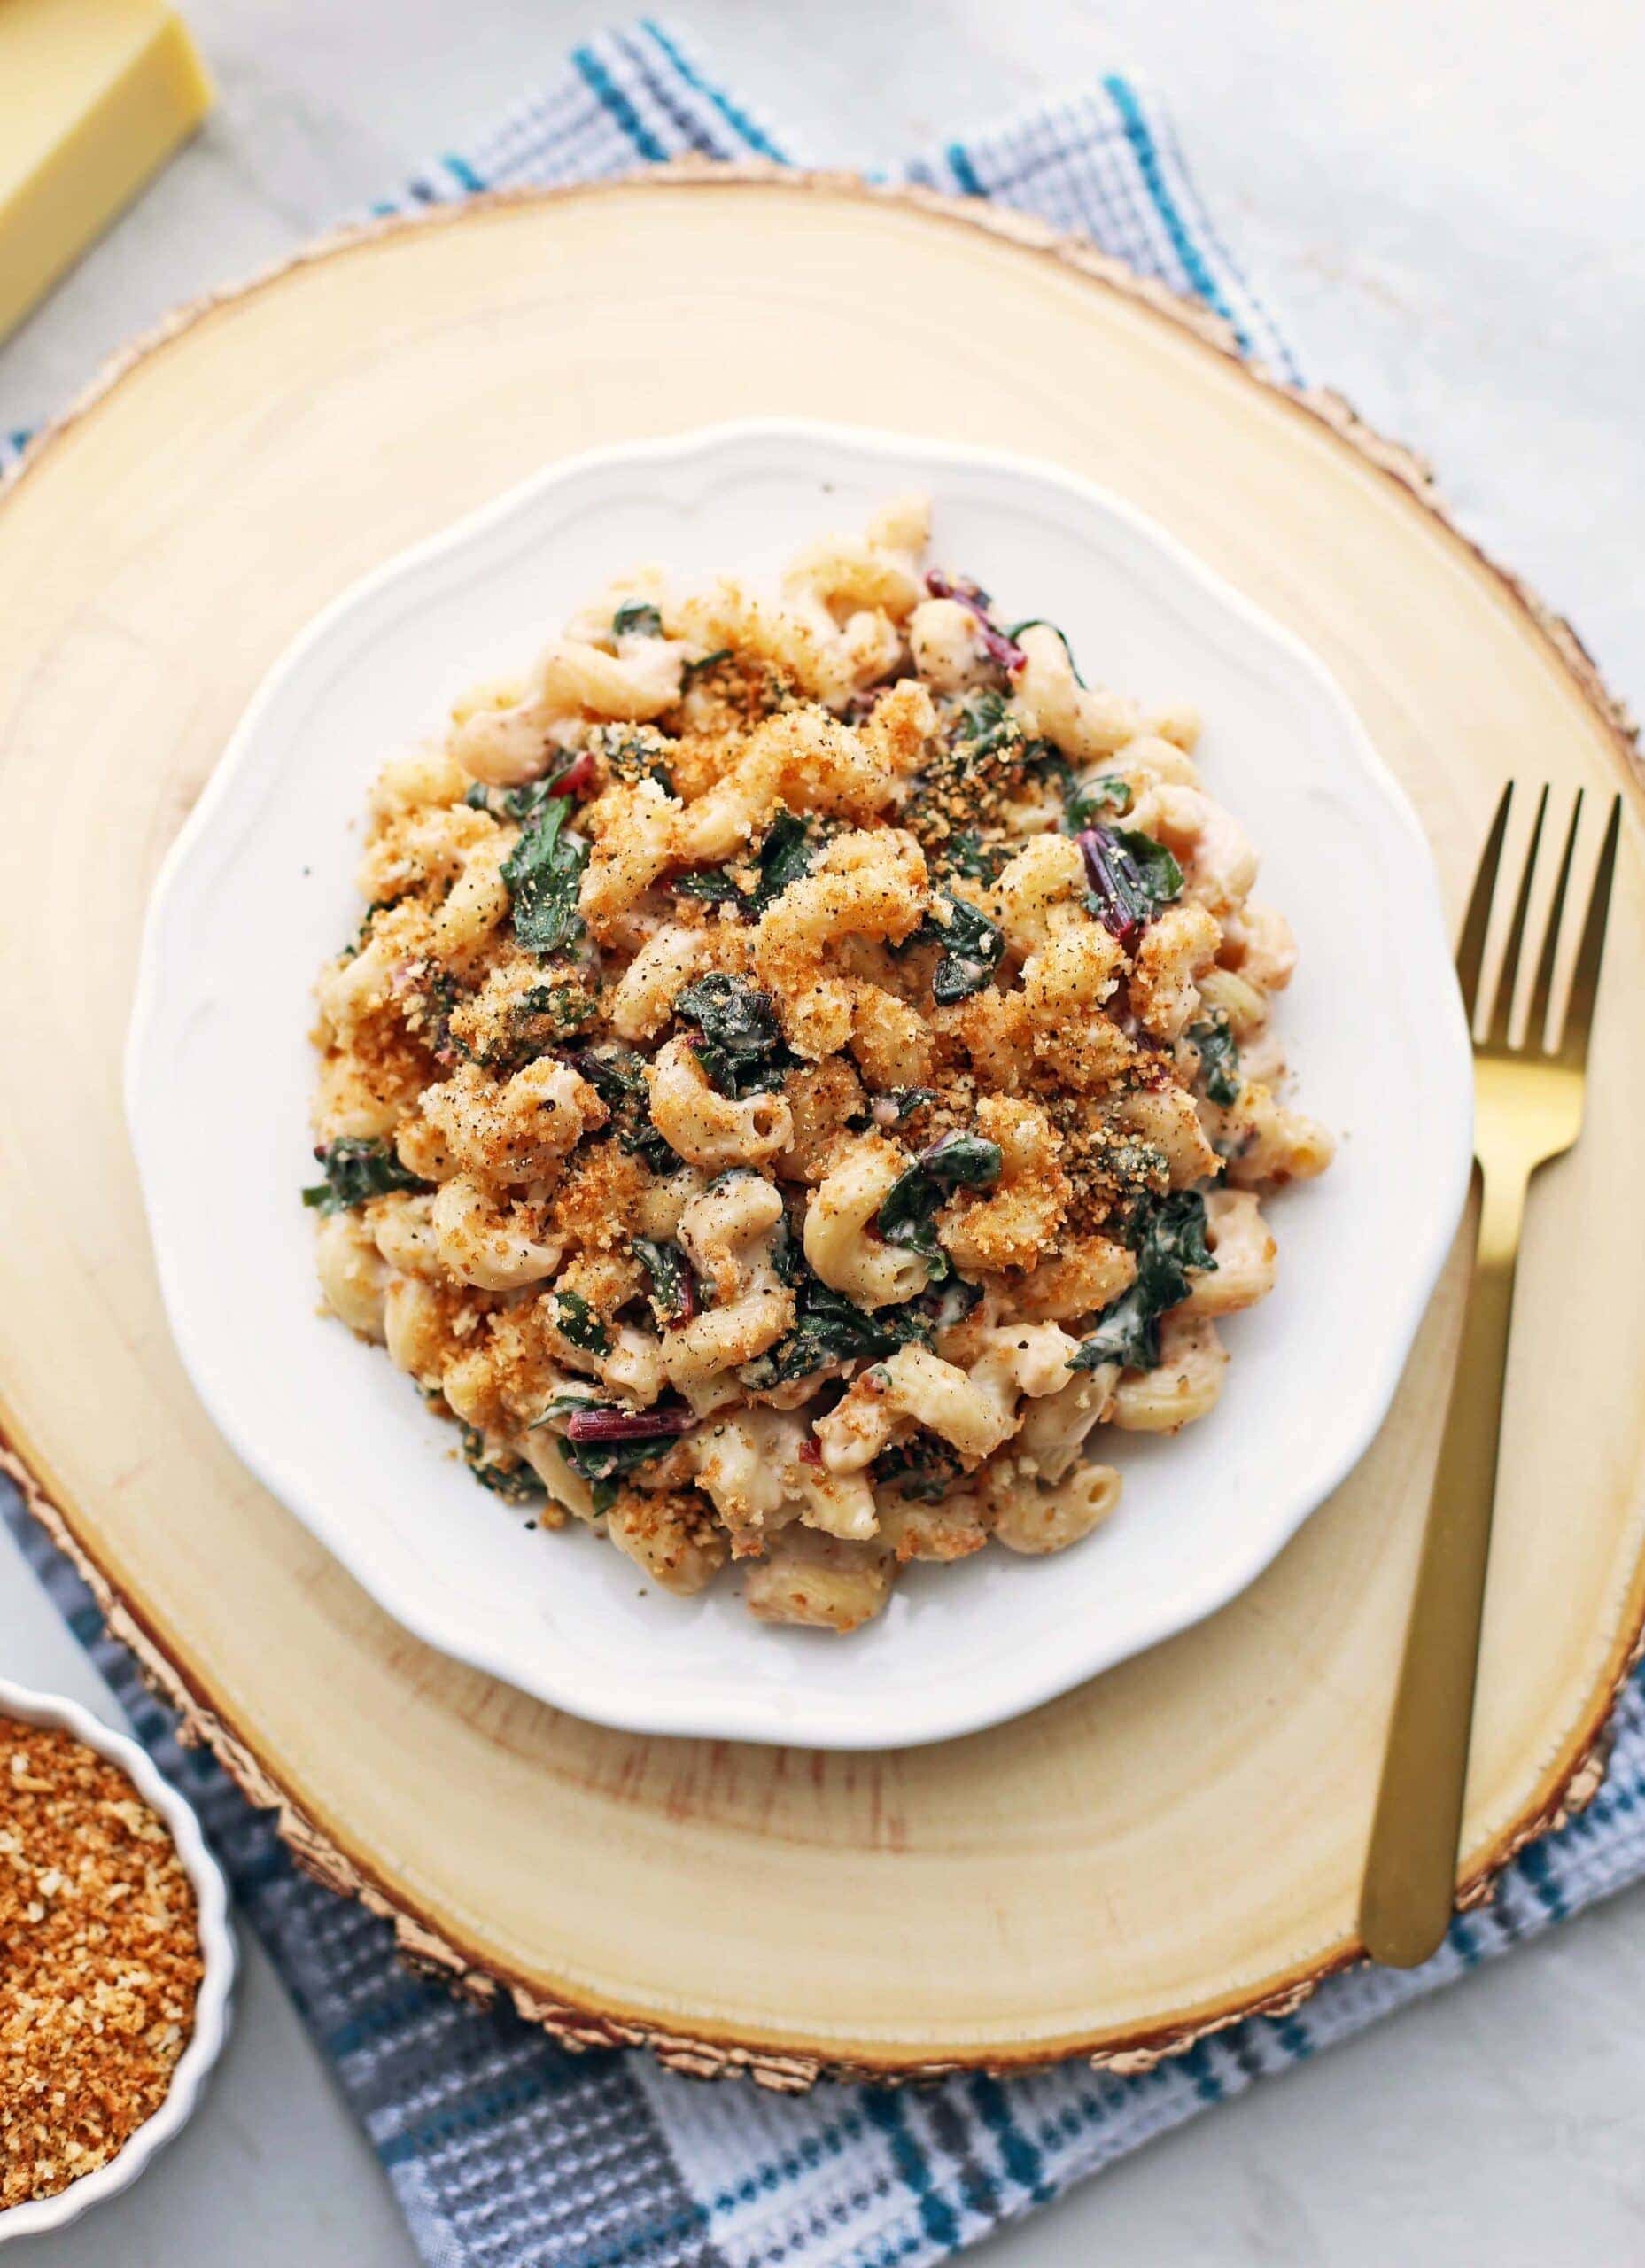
pixel 211 2002
pixel 257 891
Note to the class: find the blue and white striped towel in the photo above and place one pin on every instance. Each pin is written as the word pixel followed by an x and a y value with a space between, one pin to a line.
pixel 507 2153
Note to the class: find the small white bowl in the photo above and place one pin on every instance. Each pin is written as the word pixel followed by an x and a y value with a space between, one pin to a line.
pixel 211 2009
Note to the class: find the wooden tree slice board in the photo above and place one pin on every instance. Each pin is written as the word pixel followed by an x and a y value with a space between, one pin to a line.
pixel 1177 1844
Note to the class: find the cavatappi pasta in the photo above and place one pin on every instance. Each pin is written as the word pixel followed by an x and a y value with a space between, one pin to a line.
pixel 806 1063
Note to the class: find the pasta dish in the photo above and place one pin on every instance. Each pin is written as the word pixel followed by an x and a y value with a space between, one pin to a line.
pixel 804 1067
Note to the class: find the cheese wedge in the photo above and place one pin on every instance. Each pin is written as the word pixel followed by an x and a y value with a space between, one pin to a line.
pixel 94 96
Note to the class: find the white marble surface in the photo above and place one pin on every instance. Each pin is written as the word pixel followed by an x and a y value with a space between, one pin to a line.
pixel 1444 203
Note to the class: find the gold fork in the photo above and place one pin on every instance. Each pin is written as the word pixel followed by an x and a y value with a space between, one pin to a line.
pixel 1528 1108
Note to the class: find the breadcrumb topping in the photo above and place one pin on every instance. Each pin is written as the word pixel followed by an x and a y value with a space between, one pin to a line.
pixel 100 1961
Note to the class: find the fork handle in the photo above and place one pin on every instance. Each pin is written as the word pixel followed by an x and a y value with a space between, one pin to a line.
pixel 1410 1871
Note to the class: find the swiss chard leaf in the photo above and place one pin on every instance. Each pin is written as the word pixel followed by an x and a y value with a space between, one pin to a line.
pixel 972 947
pixel 982 753
pixel 634 752
pixel 788 1256
pixel 896 1106
pixel 578 1326
pixel 966 853
pixel 907 1216
pixel 378 906
pixel 617 1076
pixel 601 1441
pixel 1171 1241
pixel 439 998
pixel 518 803
pixel 1127 1177
pixel 712 883
pixel 742 1050
pixel 1131 877
pixel 950 1301
pixel 515 1484
pixel 636 617
pixel 985 727
pixel 356 1171
pixel 1162 877
pixel 924 1467
pixel 1127 1331
pixel 1084 806
pixel 539 1018
pixel 692 671
pixel 1039 622
pixel 851 1330
pixel 1218 1058
pixel 565 1007
pixel 784 856
pixel 830 1328
pixel 574 1398
pixel 542 873
pixel 1046 762
pixel 673 1293
pixel 525 803
pixel 603 1463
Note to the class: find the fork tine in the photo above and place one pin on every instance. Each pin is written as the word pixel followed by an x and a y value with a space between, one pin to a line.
pixel 1574 1047
pixel 1476 922
pixel 1536 1015
pixel 1497 1035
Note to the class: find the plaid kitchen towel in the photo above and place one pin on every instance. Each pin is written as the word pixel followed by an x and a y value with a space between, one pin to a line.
pixel 507 2153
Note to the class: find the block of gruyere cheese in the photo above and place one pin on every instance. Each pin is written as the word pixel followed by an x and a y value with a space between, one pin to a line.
pixel 94 96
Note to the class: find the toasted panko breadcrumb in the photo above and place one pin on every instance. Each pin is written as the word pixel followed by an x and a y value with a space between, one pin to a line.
pixel 100 1961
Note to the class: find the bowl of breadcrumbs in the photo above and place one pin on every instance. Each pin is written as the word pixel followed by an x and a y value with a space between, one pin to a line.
pixel 115 1961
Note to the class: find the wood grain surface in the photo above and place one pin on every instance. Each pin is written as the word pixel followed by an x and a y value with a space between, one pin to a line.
pixel 1160 1853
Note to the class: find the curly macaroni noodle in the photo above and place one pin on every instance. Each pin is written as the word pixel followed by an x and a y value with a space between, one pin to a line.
pixel 806 1065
